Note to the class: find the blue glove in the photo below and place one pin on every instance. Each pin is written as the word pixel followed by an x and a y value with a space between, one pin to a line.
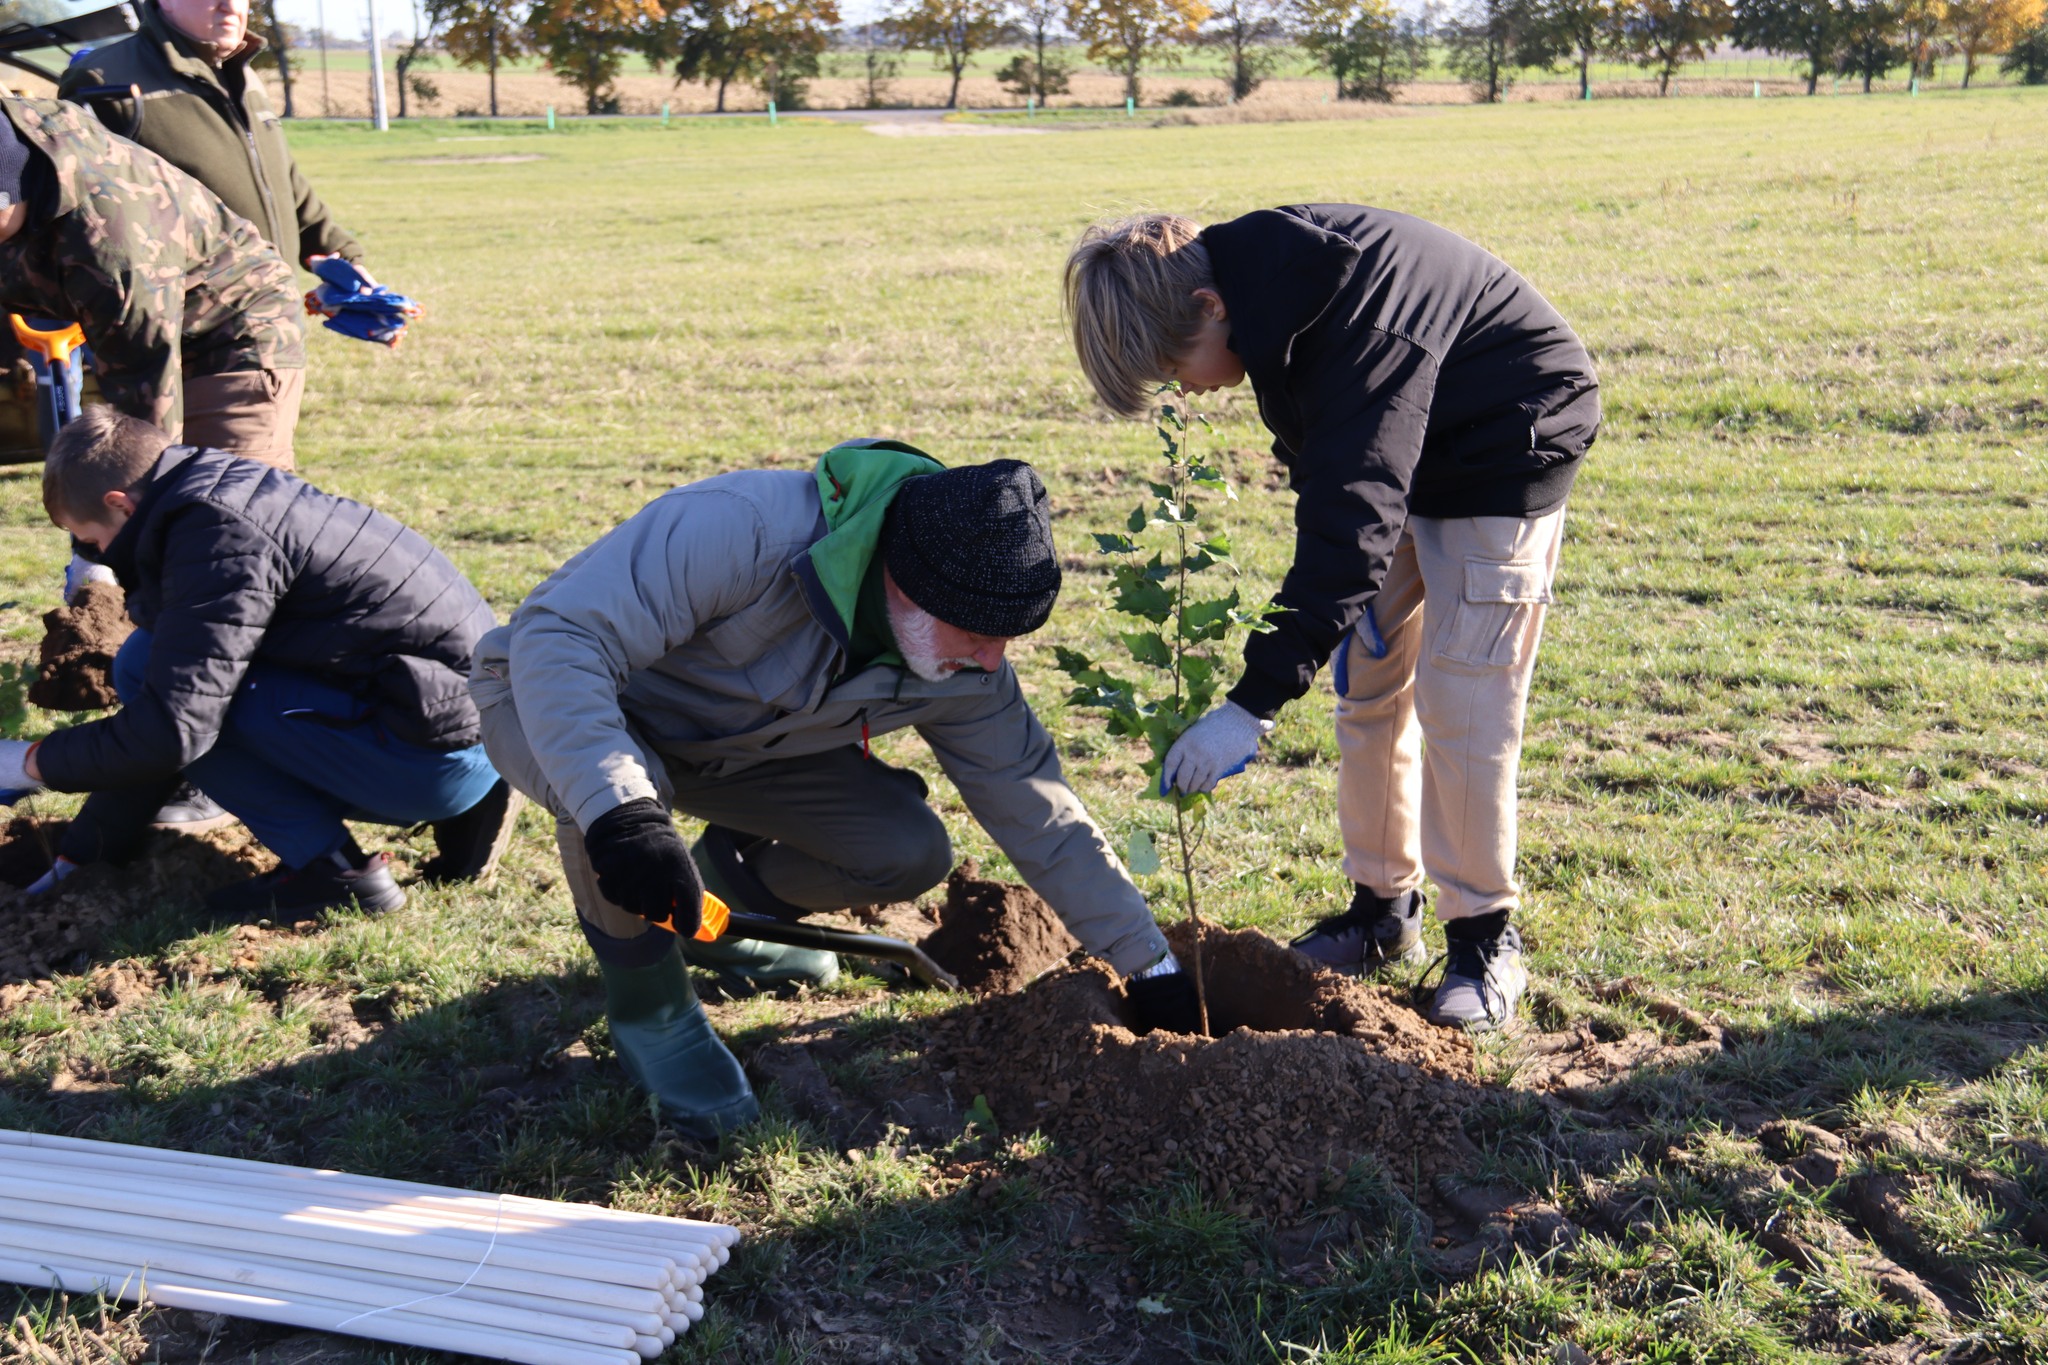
pixel 356 305
pixel 1368 632
pixel 15 783
pixel 1217 746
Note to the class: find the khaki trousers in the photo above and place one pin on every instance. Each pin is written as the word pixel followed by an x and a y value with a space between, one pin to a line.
pixel 251 413
pixel 1431 734
pixel 847 830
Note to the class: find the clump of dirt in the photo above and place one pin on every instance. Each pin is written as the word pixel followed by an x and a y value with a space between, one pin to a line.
pixel 1309 1073
pixel 60 928
pixel 997 937
pixel 74 671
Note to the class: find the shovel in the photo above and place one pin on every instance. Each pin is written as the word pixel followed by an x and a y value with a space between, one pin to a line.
pixel 721 919
pixel 58 376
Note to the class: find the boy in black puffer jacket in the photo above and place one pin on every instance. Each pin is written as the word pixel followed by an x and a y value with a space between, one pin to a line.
pixel 1431 409
pixel 302 658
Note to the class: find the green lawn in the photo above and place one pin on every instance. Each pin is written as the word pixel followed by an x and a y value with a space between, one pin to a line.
pixel 1785 763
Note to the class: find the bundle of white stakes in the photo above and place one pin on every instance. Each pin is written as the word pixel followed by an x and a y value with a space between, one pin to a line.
pixel 509 1278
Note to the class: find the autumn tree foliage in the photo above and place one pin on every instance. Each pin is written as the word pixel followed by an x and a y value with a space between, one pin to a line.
pixel 1122 34
pixel 585 42
pixel 951 30
pixel 1581 31
pixel 1038 73
pixel 1811 30
pixel 1244 31
pixel 1356 41
pixel 1663 35
pixel 483 33
pixel 772 44
pixel 1981 28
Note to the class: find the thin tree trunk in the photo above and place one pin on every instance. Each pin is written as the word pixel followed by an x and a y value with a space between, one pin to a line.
pixel 491 46
pixel 284 57
pixel 1585 73
pixel 722 80
pixel 959 64
pixel 1038 76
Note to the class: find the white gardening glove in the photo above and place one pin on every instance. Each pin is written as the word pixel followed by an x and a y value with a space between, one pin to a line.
pixel 59 870
pixel 81 571
pixel 15 782
pixel 1213 748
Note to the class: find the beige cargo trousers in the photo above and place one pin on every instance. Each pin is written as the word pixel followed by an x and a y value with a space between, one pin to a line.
pixel 1431 733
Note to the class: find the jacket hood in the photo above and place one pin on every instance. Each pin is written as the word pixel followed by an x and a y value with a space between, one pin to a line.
pixel 857 480
pixel 1291 266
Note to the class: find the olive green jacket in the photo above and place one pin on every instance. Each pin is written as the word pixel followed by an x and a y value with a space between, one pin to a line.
pixel 161 278
pixel 192 119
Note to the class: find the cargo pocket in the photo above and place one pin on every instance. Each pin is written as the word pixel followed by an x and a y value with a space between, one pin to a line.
pixel 1492 616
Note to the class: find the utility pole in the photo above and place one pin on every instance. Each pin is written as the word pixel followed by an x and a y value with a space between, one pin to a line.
pixel 377 114
pixel 326 105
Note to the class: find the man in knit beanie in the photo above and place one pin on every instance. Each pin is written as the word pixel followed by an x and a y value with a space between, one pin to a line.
pixel 729 653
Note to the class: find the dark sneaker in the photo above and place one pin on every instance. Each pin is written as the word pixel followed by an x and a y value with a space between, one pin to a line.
pixel 1372 934
pixel 190 811
pixel 326 883
pixel 1483 981
pixel 467 846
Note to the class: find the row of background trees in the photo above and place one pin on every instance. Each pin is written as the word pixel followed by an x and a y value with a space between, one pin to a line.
pixel 1368 47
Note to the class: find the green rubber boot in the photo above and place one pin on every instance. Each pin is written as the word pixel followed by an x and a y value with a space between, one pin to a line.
pixel 667 1046
pixel 746 963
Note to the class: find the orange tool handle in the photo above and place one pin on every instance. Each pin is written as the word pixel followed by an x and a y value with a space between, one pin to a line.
pixel 54 346
pixel 717 914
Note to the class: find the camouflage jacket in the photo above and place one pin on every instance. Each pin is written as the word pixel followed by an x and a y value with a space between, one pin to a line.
pixel 215 124
pixel 161 277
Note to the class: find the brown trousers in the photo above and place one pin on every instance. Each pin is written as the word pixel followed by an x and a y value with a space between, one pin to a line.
pixel 251 413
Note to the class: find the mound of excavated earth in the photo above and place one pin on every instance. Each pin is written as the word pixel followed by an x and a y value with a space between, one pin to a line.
pixel 996 937
pixel 1308 1073
pixel 74 666
pixel 49 932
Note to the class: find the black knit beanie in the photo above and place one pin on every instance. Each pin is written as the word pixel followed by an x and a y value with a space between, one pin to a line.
pixel 973 546
pixel 14 151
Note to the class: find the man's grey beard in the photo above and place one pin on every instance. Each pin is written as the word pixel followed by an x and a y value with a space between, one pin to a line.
pixel 917 640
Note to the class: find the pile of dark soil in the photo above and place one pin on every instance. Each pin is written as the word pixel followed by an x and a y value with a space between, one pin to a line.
pixel 59 929
pixel 997 937
pixel 74 668
pixel 1309 1073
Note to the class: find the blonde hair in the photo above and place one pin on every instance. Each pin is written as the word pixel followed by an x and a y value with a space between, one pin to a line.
pixel 98 452
pixel 1131 301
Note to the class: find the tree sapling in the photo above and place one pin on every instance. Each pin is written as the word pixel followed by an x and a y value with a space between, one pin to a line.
pixel 1175 642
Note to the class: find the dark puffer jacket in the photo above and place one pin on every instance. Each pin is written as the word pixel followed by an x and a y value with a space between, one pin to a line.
pixel 1401 369
pixel 229 562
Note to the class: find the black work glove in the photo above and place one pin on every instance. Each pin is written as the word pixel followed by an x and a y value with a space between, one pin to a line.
pixel 1165 1003
pixel 644 866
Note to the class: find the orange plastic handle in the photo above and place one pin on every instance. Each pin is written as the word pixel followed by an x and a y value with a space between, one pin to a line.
pixel 54 346
pixel 717 915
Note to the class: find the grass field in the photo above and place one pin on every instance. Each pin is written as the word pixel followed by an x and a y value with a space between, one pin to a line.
pixel 1786 793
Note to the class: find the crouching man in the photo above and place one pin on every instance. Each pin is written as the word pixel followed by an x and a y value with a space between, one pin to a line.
pixel 302 657
pixel 728 652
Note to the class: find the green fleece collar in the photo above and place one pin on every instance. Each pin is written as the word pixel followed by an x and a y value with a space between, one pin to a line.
pixel 857 480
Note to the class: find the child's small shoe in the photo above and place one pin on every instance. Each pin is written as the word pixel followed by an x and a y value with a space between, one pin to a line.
pixel 1374 933
pixel 328 882
pixel 1483 974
